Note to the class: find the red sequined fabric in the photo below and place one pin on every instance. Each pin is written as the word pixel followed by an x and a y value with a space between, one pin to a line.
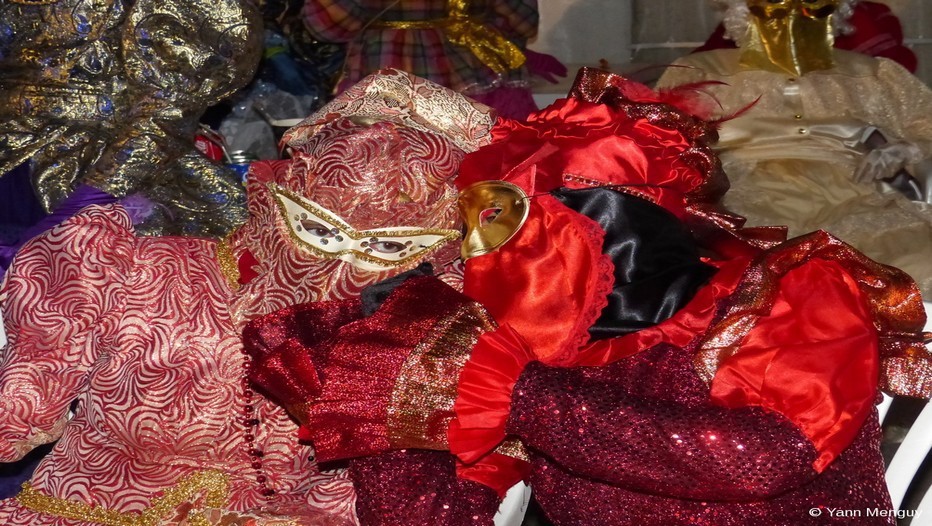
pixel 636 442
pixel 376 374
pixel 417 487
pixel 284 346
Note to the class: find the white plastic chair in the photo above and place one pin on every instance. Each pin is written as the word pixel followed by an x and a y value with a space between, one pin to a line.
pixel 513 508
pixel 904 467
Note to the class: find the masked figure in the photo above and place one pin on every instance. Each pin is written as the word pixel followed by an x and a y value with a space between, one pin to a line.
pixel 143 332
pixel 657 361
pixel 820 133
pixel 106 94
pixel 872 29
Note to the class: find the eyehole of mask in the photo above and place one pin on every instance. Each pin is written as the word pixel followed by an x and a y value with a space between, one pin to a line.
pixel 387 247
pixel 489 215
pixel 316 229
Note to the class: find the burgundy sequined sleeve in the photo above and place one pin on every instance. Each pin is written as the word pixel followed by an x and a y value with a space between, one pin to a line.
pixel 593 428
pixel 414 487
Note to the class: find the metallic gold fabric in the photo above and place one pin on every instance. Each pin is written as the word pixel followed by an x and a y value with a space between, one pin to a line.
pixel 793 36
pixel 227 262
pixel 212 483
pixel 108 93
pixel 463 29
pixel 421 403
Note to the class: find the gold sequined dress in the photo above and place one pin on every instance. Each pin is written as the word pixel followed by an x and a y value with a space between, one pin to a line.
pixel 790 158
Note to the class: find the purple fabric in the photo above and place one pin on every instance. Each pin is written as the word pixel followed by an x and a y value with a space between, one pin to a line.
pixel 19 207
pixel 509 101
pixel 12 475
pixel 83 196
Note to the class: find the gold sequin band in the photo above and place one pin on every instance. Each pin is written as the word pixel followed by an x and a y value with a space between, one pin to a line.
pixel 462 29
pixel 227 262
pixel 514 448
pixel 421 405
pixel 213 484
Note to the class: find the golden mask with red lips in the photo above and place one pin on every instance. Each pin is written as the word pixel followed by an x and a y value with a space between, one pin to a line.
pixel 790 36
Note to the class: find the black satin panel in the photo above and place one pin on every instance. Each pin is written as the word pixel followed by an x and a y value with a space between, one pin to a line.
pixel 657 266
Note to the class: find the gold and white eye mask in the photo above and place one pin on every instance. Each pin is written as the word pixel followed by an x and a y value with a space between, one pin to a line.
pixel 327 236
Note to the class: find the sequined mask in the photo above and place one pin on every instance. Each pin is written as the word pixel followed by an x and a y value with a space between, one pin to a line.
pixel 327 236
pixel 792 36
pixel 493 211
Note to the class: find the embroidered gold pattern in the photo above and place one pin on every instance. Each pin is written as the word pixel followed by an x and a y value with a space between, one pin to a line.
pixel 213 484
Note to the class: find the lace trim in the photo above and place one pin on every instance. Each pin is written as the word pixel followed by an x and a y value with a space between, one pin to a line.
pixel 598 299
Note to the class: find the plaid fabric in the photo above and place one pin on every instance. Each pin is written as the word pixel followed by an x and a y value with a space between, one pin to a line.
pixel 423 52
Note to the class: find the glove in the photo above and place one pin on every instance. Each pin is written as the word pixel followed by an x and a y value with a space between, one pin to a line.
pixel 285 346
pixel 886 160
pixel 361 386
pixel 544 66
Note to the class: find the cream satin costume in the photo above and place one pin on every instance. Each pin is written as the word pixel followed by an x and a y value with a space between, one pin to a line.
pixel 791 157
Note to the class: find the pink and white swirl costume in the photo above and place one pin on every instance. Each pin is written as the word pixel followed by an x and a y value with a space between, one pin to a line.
pixel 143 332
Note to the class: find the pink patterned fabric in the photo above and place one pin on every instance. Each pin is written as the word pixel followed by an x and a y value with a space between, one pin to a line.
pixel 145 332
pixel 85 306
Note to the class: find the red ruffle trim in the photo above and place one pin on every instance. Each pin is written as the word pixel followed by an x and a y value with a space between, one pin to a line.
pixel 484 403
pixel 678 330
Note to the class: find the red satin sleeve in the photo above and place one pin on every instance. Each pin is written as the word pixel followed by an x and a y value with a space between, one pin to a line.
pixel 814 359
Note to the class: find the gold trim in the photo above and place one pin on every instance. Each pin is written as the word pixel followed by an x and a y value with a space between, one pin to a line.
pixel 421 404
pixel 227 261
pixel 301 411
pixel 215 483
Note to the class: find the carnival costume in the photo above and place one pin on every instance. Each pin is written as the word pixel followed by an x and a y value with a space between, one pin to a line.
pixel 107 94
pixel 660 364
pixel 476 47
pixel 144 331
pixel 800 153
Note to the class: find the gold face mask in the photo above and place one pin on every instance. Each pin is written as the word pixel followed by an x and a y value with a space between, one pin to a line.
pixel 790 36
pixel 493 211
